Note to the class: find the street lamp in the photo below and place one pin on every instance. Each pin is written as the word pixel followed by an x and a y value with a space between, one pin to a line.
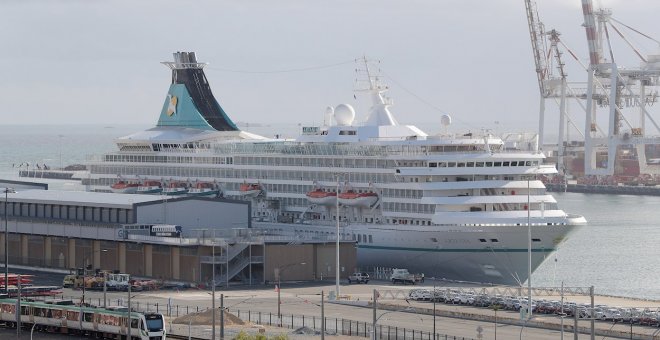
pixel 7 192
pixel 280 270
pixel 495 308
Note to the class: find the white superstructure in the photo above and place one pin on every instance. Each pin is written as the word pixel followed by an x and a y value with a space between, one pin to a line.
pixel 449 206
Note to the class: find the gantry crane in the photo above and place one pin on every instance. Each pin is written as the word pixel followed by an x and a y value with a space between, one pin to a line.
pixel 616 89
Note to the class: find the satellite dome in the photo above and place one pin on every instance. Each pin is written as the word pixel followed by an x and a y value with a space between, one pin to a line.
pixel 344 114
pixel 445 120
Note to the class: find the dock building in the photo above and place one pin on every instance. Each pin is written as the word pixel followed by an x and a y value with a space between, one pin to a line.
pixel 74 229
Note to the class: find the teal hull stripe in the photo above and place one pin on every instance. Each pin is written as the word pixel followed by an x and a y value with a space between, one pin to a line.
pixel 436 250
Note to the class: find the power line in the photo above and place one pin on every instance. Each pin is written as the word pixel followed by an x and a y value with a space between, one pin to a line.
pixel 309 68
pixel 431 105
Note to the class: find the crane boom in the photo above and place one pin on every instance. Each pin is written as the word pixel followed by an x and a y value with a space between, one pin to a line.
pixel 590 28
pixel 537 36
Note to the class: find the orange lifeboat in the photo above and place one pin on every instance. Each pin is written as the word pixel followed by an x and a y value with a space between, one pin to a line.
pixel 123 187
pixel 359 199
pixel 322 197
pixel 250 189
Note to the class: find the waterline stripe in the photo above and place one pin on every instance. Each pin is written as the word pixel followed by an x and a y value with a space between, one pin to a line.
pixel 458 250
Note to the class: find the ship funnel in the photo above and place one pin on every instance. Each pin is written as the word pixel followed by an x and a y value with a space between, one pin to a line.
pixel 190 102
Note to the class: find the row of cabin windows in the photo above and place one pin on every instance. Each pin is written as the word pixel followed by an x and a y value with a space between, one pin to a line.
pixel 67 212
pixel 481 164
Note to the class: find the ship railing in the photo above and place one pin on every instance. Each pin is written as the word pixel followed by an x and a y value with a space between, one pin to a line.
pixel 312 149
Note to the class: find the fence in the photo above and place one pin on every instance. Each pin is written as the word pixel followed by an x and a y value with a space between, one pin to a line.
pixel 340 326
pixel 332 325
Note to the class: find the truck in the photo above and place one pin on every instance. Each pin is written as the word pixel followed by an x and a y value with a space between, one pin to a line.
pixel 401 275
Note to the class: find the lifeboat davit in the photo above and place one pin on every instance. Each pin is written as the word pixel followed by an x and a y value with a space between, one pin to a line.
pixel 250 189
pixel 176 188
pixel 358 199
pixel 204 189
pixel 123 187
pixel 322 197
pixel 149 187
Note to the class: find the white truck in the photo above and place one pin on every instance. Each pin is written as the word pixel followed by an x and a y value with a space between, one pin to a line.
pixel 401 275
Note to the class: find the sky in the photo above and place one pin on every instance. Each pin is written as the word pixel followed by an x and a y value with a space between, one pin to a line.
pixel 98 61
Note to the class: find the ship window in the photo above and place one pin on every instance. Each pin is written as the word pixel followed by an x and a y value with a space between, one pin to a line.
pixel 359 238
pixel 528 163
pixel 451 164
pixel 514 163
pixel 498 163
pixel 489 164
pixel 433 165
pixel 493 240
pixel 371 240
pixel 461 165
pixel 433 239
pixel 480 164
pixel 347 132
pixel 536 240
pixel 442 164
pixel 482 240
pixel 505 163
pixel 470 164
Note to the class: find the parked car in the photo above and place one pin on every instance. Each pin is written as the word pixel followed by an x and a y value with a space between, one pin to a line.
pixel 358 278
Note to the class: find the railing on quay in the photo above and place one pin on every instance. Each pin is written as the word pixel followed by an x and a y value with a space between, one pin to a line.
pixel 338 326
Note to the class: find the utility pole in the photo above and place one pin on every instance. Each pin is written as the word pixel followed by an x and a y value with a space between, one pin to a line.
pixel 129 307
pixel 213 288
pixel 105 289
pixel 222 316
pixel 322 316
pixel 18 307
pixel 374 313
pixel 337 245
pixel 433 297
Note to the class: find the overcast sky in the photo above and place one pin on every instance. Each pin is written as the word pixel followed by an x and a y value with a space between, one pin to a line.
pixel 86 61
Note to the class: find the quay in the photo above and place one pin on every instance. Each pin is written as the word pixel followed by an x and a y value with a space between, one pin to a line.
pixel 301 305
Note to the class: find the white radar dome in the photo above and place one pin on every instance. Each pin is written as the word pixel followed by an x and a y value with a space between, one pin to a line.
pixel 344 114
pixel 445 120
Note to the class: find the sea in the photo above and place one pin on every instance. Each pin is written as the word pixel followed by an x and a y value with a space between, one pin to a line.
pixel 618 252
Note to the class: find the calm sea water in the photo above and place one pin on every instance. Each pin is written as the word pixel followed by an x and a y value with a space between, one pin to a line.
pixel 618 252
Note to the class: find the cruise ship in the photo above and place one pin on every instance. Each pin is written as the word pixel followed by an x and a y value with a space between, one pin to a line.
pixel 449 206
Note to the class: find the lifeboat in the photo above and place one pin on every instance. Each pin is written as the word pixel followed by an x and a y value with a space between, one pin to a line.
pixel 149 187
pixel 358 199
pixel 176 188
pixel 322 197
pixel 250 189
pixel 204 189
pixel 123 187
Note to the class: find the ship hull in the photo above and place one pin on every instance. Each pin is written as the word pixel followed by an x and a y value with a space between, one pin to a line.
pixel 451 253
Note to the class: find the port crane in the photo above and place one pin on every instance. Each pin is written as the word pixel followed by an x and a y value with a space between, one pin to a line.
pixel 547 49
pixel 618 90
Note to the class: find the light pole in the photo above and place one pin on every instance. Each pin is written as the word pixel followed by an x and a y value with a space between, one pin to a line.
pixel 280 270
pixel 60 136
pixel 495 308
pixel 7 191
pixel 84 276
pixel 337 245
pixel 529 254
